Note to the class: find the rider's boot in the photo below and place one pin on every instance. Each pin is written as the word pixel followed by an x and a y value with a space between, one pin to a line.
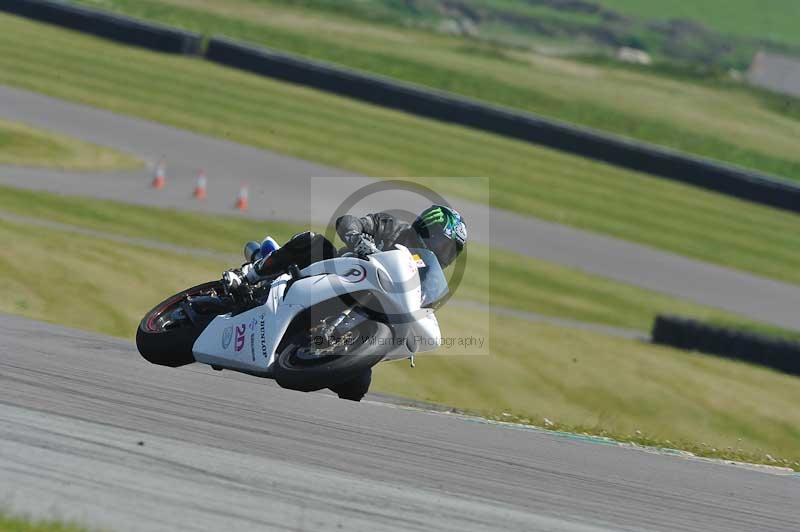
pixel 253 251
pixel 268 246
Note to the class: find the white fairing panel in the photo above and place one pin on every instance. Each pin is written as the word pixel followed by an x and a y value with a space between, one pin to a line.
pixel 401 267
pixel 247 341
pixel 241 342
pixel 427 336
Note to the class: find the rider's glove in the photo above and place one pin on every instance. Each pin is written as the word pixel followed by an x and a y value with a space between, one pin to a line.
pixel 365 246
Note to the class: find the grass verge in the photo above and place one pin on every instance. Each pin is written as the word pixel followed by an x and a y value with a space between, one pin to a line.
pixel 723 121
pixel 10 523
pixel 198 96
pixel 22 145
pixel 577 379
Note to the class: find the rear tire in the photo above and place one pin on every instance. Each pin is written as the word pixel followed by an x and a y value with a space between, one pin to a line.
pixel 170 347
pixel 293 372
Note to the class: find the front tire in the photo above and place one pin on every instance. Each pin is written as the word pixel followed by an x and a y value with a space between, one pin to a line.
pixel 356 389
pixel 295 371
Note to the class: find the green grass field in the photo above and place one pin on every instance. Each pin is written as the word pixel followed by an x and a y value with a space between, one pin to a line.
pixel 25 146
pixel 721 121
pixel 579 380
pixel 765 19
pixel 10 523
pixel 195 95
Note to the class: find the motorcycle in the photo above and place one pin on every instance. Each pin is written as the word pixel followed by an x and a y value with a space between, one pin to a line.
pixel 319 327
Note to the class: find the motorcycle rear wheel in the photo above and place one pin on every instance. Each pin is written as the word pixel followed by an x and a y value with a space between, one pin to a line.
pixel 166 342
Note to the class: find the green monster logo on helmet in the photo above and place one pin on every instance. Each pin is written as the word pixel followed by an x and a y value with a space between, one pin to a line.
pixel 433 216
pixel 453 225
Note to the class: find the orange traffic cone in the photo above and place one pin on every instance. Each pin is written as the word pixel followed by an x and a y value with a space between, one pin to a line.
pixel 160 177
pixel 242 200
pixel 200 191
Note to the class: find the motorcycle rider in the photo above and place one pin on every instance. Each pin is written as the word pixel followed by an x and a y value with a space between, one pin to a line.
pixel 438 228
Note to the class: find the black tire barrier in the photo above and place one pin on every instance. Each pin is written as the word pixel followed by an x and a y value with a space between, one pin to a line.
pixel 107 25
pixel 692 335
pixel 386 92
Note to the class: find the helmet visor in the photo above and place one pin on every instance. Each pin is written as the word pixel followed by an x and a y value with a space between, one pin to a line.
pixel 445 249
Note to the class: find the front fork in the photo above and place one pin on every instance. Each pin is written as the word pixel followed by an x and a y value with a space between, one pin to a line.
pixel 342 324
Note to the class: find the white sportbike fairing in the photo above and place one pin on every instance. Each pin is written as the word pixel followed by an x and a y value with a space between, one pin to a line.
pixel 302 326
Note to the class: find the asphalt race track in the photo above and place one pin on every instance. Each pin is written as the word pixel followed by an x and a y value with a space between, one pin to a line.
pixel 282 188
pixel 90 431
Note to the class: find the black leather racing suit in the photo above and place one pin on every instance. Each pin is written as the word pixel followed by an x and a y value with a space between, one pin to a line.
pixel 306 248
pixel 384 229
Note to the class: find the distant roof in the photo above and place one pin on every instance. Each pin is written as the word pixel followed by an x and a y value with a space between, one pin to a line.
pixel 775 72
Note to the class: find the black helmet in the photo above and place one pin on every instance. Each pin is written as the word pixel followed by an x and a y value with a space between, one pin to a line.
pixel 443 231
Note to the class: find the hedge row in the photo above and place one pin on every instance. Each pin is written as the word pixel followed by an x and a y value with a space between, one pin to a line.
pixel 775 353
pixel 110 26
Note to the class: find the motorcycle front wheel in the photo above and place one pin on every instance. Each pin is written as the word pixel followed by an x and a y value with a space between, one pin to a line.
pixel 304 366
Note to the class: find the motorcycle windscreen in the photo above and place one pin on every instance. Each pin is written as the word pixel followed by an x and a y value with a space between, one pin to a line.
pixel 433 281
